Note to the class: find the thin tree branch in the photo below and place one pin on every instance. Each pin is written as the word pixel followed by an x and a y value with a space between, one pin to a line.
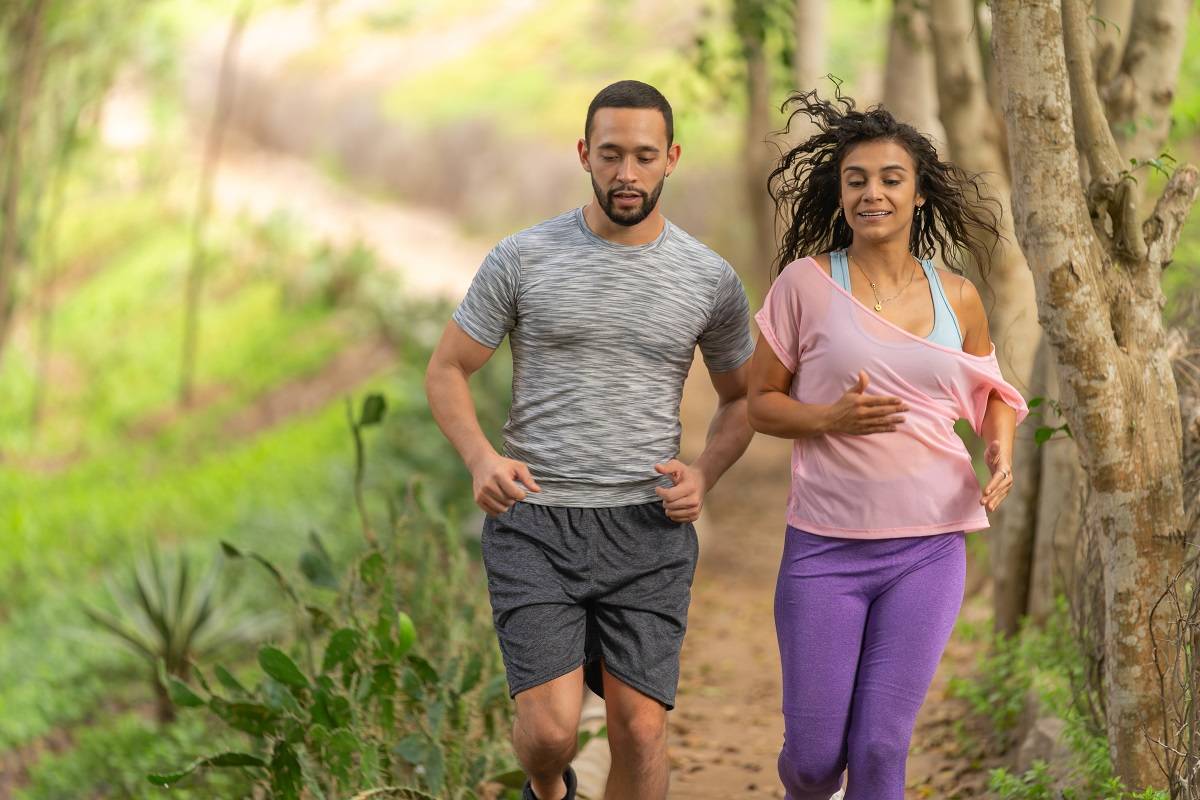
pixel 1165 224
pixel 1112 189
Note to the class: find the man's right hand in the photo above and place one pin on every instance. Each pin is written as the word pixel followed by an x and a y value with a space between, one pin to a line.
pixel 859 413
pixel 498 483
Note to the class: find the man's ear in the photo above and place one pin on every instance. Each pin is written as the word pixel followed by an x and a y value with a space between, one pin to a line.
pixel 582 147
pixel 672 157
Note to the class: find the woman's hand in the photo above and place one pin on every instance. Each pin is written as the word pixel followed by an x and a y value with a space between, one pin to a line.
pixel 860 414
pixel 998 487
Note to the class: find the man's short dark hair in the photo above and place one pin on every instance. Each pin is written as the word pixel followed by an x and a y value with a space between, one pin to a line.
pixel 630 94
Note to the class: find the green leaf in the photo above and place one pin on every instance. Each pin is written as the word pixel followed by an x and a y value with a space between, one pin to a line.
pixel 181 695
pixel 587 736
pixel 435 768
pixel 1034 402
pixel 220 760
pixel 253 718
pixel 317 566
pixel 373 408
pixel 513 779
pixel 472 673
pixel 226 679
pixel 372 570
pixel 286 777
pixel 1043 434
pixel 342 647
pixel 321 621
pixel 279 666
pixel 412 748
pixel 396 793
pixel 406 635
pixel 283 582
pixel 424 670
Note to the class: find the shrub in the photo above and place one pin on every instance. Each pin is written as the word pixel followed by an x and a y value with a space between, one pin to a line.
pixel 374 713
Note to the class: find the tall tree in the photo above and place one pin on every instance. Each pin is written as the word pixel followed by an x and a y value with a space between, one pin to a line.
pixel 976 143
pixel 752 19
pixel 24 30
pixel 909 85
pixel 223 107
pixel 1097 270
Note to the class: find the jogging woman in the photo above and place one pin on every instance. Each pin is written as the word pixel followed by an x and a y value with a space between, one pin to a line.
pixel 868 355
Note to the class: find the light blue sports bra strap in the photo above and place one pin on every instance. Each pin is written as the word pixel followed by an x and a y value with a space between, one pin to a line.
pixel 945 322
pixel 839 268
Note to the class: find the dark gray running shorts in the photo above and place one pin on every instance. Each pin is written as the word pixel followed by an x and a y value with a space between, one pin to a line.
pixel 570 586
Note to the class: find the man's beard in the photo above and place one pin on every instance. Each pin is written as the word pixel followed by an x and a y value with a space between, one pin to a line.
pixel 633 216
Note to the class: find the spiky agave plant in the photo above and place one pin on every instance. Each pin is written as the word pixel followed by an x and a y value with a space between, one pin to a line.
pixel 171 619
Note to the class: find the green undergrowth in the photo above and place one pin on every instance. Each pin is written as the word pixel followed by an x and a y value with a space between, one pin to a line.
pixel 1042 663
pixel 117 463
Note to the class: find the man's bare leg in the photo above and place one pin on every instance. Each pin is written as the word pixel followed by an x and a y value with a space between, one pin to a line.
pixel 546 732
pixel 637 736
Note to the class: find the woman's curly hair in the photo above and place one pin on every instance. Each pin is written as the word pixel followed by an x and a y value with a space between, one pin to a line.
pixel 958 217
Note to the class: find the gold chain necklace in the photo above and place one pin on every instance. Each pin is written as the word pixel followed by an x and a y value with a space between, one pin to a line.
pixel 879 303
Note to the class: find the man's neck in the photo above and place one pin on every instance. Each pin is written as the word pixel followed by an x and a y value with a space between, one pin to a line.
pixel 644 232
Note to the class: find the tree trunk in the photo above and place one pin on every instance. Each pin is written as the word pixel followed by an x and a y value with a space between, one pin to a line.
pixel 1059 511
pixel 757 155
pixel 1110 32
pixel 1101 311
pixel 809 64
pixel 25 45
pixel 1006 286
pixel 1138 98
pixel 226 89
pixel 909 84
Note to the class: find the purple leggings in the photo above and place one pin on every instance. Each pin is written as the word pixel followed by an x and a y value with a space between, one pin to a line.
pixel 862 624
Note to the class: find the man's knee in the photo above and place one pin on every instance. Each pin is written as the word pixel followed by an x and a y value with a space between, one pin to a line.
pixel 808 774
pixel 644 729
pixel 546 737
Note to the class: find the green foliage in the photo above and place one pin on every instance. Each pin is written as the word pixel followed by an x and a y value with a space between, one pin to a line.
pixel 1038 783
pixel 166 616
pixel 1044 433
pixel 373 712
pixel 1047 663
pixel 110 760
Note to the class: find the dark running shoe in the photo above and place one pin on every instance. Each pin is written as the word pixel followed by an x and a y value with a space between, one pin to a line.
pixel 568 779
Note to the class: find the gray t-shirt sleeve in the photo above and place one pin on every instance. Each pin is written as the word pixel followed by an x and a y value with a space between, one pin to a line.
pixel 726 343
pixel 489 310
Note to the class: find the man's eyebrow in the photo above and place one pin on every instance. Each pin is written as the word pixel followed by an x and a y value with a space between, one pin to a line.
pixel 645 148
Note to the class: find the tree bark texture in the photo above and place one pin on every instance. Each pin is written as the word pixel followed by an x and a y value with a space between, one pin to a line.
pixel 909 84
pixel 25 56
pixel 226 91
pixel 758 154
pixel 809 64
pixel 1006 286
pixel 1138 97
pixel 1101 312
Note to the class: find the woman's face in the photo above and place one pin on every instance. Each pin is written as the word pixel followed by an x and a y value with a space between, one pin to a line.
pixel 879 190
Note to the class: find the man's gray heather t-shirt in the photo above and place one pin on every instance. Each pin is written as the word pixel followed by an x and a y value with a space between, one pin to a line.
pixel 602 336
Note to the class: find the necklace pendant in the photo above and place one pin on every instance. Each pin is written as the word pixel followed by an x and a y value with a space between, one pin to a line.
pixel 879 306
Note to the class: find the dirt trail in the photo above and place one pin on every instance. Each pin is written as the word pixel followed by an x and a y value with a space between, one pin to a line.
pixel 726 729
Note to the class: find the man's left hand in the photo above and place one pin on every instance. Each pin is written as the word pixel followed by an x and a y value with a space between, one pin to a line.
pixel 684 500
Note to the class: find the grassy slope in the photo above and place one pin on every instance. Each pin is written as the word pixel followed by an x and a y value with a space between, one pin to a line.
pixel 139 470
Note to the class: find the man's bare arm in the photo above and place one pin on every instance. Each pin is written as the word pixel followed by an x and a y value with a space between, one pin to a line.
pixel 729 435
pixel 497 481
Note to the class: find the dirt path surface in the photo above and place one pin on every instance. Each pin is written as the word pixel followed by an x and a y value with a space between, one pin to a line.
pixel 727 728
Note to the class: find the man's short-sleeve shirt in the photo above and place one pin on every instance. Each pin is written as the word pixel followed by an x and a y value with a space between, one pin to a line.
pixel 602 337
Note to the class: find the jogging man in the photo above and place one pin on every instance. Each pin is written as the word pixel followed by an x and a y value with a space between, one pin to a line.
pixel 589 546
